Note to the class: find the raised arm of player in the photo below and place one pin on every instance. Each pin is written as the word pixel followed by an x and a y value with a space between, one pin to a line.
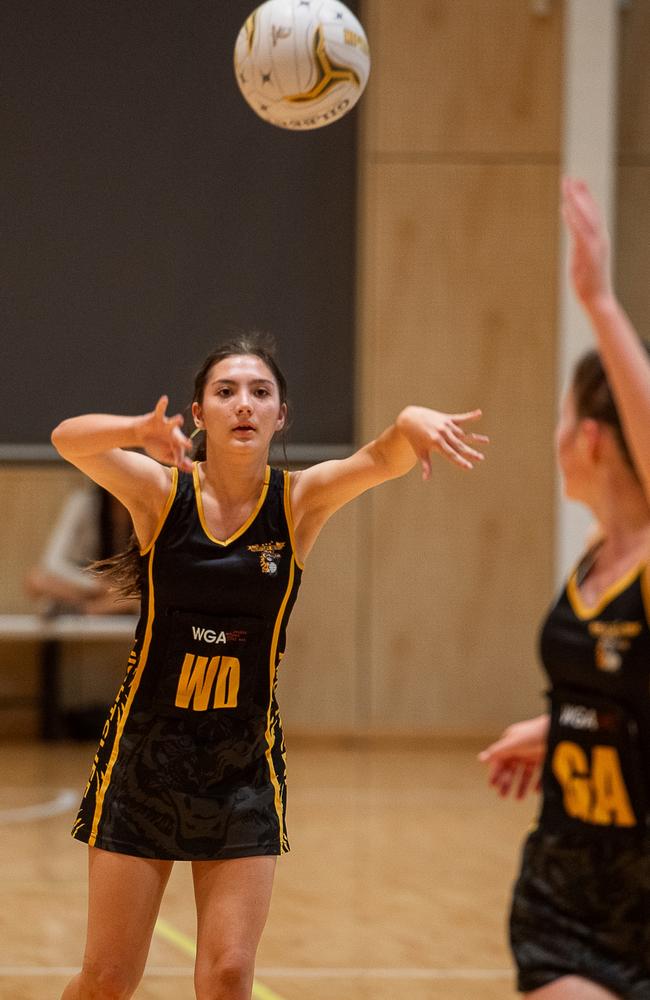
pixel 624 358
pixel 317 492
pixel 98 443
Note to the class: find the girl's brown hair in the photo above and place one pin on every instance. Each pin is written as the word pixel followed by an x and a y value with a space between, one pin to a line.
pixel 594 398
pixel 124 572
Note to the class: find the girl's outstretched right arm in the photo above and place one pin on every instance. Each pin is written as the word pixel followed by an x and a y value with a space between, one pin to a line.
pixel 624 357
pixel 99 443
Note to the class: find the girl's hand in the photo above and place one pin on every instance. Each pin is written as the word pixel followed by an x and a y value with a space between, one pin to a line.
pixel 162 437
pixel 428 431
pixel 515 760
pixel 589 260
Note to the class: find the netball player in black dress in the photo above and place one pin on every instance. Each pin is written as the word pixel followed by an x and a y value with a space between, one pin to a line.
pixel 580 919
pixel 190 765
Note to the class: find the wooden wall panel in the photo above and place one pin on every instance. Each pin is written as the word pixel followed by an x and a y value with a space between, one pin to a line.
pixel 463 284
pixel 18 680
pixel 634 80
pixel 463 76
pixel 319 686
pixel 461 275
pixel 633 243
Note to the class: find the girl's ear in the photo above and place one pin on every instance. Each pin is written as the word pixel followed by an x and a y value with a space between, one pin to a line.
pixel 282 418
pixel 197 415
pixel 591 432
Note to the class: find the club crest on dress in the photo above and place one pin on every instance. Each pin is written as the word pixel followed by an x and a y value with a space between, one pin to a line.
pixel 613 640
pixel 269 553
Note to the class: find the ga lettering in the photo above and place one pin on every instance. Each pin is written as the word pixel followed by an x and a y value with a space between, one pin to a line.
pixel 204 678
pixel 597 795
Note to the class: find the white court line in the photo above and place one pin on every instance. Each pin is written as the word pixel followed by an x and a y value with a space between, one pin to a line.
pixel 269 972
pixel 376 973
pixel 65 800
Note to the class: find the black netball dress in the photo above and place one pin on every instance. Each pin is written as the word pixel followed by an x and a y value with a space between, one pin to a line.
pixel 582 902
pixel 191 763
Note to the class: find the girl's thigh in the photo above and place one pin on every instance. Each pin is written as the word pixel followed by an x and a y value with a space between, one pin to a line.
pixel 572 988
pixel 124 895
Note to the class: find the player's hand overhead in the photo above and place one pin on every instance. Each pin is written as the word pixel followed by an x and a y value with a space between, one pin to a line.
pixel 162 437
pixel 430 431
pixel 589 257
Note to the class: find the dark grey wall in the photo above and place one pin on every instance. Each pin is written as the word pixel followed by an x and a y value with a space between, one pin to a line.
pixel 148 213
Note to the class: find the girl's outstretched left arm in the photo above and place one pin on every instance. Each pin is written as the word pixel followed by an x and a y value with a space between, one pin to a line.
pixel 317 492
pixel 624 357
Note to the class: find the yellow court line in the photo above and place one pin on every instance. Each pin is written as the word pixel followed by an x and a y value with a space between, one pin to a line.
pixel 185 944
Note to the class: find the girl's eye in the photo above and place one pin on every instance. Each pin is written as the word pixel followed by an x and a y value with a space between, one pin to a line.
pixel 224 392
pixel 262 392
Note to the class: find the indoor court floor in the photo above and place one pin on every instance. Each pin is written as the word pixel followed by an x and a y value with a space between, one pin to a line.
pixel 397 884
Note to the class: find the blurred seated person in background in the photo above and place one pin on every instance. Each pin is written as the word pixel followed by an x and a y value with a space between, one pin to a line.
pixel 92 526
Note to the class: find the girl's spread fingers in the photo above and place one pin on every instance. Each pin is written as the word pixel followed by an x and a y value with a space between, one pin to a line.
pixel 465 456
pixel 467 435
pixel 460 446
pixel 470 415
pixel 453 455
pixel 506 783
pixel 524 780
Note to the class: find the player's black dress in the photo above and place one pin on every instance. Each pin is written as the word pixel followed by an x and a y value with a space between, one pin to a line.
pixel 582 902
pixel 191 763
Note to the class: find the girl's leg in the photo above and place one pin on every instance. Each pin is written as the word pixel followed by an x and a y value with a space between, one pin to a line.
pixel 124 895
pixel 232 904
pixel 572 988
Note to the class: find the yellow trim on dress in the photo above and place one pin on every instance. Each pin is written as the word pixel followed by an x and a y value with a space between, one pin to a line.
pixel 645 591
pixel 272 673
pixel 165 511
pixel 582 609
pixel 289 516
pixel 247 523
pixel 106 780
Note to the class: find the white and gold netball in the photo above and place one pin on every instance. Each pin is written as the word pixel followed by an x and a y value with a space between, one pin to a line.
pixel 302 64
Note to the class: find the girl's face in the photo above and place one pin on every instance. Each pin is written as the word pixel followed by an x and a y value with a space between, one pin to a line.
pixel 241 407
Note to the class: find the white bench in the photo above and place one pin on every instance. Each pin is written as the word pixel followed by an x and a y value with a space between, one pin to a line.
pixel 50 633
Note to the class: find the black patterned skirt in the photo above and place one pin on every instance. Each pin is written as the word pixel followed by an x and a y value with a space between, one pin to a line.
pixel 186 788
pixel 581 907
